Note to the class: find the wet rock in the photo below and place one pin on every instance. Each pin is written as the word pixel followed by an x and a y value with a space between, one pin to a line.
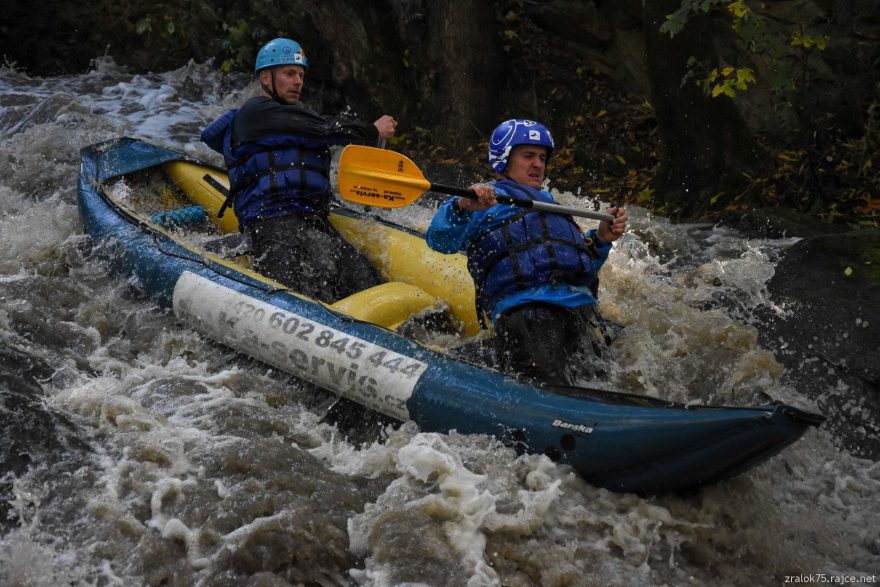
pixel 829 337
pixel 31 433
pixel 779 223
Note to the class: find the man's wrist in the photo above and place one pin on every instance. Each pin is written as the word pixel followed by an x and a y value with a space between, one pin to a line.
pixel 459 213
pixel 459 207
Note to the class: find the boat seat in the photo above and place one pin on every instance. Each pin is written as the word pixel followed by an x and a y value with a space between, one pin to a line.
pixel 387 304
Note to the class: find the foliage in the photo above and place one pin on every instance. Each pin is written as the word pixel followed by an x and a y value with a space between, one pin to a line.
pixel 716 81
pixel 164 27
pixel 751 29
pixel 237 45
pixel 821 169
pixel 676 21
pixel 801 39
pixel 837 182
pixel 719 80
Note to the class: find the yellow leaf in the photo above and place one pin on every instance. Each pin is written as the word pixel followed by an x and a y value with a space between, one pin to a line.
pixel 620 159
pixel 738 8
pixel 848 271
pixel 745 75
pixel 601 113
pixel 563 156
pixel 727 71
pixel 645 196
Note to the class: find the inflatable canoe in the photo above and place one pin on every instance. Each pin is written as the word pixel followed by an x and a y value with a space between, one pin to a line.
pixel 130 196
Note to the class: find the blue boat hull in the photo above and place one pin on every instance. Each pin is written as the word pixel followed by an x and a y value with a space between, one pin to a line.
pixel 618 441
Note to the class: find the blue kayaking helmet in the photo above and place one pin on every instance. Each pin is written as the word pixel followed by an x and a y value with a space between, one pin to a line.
pixel 513 132
pixel 280 52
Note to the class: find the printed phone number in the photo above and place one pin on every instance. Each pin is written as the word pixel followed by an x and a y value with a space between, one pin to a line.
pixel 323 338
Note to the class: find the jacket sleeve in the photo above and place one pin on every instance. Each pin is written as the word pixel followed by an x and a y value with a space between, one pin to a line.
pixel 262 117
pixel 212 135
pixel 449 230
pixel 345 131
pixel 601 250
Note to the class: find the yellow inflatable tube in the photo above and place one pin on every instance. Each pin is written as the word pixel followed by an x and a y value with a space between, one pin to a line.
pixel 417 274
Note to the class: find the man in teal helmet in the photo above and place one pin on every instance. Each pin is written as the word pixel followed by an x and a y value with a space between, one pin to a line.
pixel 275 54
pixel 278 157
pixel 535 273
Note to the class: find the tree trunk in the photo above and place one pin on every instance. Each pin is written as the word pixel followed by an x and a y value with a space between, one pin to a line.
pixel 705 145
pixel 464 59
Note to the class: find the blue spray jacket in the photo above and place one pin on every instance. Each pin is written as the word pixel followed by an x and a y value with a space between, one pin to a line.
pixel 518 256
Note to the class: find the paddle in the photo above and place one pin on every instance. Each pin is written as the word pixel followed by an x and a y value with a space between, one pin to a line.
pixel 382 178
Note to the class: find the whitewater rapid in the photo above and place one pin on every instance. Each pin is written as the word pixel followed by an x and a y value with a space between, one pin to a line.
pixel 138 452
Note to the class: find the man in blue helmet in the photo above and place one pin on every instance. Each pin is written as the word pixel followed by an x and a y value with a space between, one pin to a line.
pixel 278 158
pixel 536 273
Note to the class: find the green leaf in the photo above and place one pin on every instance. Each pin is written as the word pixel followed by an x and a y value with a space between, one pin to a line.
pixel 144 25
pixel 745 75
pixel 748 29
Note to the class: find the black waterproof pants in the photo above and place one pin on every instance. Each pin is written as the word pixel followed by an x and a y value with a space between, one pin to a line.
pixel 552 344
pixel 307 254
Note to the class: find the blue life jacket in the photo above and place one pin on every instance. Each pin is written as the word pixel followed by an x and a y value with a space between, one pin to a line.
pixel 273 176
pixel 527 250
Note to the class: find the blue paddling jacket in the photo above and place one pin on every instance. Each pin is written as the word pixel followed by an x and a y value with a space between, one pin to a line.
pixel 278 157
pixel 518 255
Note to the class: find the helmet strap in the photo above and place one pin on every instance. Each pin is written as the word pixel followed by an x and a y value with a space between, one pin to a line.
pixel 271 91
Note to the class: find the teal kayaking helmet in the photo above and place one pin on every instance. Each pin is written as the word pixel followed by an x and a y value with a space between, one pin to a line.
pixel 281 52
pixel 513 132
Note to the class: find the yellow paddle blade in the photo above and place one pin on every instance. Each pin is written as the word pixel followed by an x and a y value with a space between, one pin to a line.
pixel 377 177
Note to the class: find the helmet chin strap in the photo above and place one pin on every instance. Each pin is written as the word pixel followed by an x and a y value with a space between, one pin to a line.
pixel 274 95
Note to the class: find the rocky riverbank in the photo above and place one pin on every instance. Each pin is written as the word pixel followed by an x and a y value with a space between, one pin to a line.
pixel 828 334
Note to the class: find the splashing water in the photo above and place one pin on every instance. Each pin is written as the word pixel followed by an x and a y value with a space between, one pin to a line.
pixel 138 452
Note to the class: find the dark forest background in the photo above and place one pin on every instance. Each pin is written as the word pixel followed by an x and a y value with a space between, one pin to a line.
pixel 698 109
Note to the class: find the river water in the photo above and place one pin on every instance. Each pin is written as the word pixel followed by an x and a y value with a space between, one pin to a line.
pixel 135 451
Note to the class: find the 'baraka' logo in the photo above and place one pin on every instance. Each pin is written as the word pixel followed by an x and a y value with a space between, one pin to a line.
pixel 570 426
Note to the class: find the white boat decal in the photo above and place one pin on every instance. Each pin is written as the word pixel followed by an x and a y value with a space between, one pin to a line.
pixel 364 372
pixel 570 426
